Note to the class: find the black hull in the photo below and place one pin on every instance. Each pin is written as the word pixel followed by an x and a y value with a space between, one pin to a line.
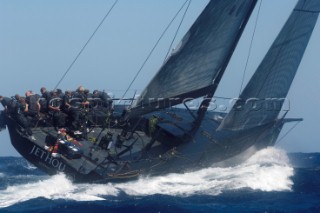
pixel 43 159
pixel 204 149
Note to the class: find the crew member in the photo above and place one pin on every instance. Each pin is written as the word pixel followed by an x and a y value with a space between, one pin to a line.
pixel 20 115
pixel 33 101
pixel 45 97
pixel 72 111
pixel 106 100
pixel 5 102
pixel 80 94
pixel 54 107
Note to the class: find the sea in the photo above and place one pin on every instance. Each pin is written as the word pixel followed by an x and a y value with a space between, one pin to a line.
pixel 270 181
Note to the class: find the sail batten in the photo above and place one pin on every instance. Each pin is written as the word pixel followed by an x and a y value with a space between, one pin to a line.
pixel 200 57
pixel 263 97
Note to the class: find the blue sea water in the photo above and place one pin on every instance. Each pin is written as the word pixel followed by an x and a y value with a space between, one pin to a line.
pixel 270 181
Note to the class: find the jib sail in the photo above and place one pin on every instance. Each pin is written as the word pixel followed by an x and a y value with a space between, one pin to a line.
pixel 264 95
pixel 202 54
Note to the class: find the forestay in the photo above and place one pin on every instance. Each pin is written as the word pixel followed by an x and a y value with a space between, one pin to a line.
pixel 264 95
pixel 202 54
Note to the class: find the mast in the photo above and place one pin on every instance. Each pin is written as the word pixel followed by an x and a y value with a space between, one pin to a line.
pixel 206 102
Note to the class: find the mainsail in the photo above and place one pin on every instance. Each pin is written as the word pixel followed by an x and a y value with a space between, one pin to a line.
pixel 203 53
pixel 264 95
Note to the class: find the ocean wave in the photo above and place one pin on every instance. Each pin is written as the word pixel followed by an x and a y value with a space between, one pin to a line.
pixel 56 187
pixel 268 170
pixel 29 166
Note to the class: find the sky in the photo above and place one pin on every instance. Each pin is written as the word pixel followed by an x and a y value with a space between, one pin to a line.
pixel 40 39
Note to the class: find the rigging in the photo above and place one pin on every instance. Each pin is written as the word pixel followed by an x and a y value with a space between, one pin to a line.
pixel 85 45
pixel 174 38
pixel 287 133
pixel 154 47
pixel 250 48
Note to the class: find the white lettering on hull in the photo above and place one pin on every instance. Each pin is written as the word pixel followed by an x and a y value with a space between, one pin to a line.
pixel 46 157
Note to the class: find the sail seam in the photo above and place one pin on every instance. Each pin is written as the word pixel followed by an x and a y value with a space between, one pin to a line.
pixel 307 11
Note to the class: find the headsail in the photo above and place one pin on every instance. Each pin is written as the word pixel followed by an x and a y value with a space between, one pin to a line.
pixel 264 95
pixel 201 55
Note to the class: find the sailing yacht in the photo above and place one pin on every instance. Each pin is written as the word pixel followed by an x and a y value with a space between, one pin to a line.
pixel 153 136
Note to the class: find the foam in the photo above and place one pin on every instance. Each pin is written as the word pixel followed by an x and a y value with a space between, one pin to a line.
pixel 29 166
pixel 56 187
pixel 268 170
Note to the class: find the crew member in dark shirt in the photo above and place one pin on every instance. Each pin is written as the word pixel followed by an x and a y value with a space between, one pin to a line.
pixel 106 100
pixel 33 101
pixel 72 111
pixel 20 115
pixel 45 97
pixel 55 107
pixel 5 101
